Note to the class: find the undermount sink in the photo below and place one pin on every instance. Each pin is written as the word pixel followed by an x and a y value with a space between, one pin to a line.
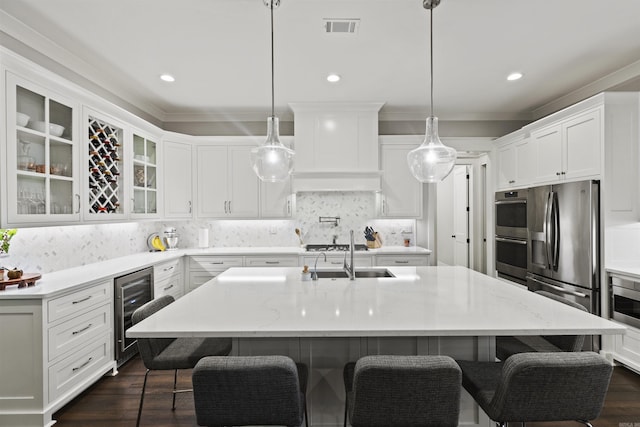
pixel 341 274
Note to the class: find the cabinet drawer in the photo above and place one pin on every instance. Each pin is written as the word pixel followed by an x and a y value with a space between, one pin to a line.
pixel 214 263
pixel 166 269
pixel 276 261
pixel 335 261
pixel 198 278
pixel 75 369
pixel 76 302
pixel 170 286
pixel 76 332
pixel 400 261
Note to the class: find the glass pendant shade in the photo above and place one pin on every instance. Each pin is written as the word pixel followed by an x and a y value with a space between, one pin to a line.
pixel 432 161
pixel 272 161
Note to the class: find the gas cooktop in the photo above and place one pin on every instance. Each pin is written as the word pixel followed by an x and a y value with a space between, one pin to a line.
pixel 335 248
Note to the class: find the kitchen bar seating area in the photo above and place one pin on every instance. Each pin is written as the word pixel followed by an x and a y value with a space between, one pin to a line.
pixel 356 257
pixel 327 323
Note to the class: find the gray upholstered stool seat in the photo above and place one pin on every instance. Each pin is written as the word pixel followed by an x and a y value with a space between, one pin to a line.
pixel 402 391
pixel 530 387
pixel 509 345
pixel 172 353
pixel 249 390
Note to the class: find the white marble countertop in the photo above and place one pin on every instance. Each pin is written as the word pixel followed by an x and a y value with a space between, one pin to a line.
pixel 419 301
pixel 629 268
pixel 60 281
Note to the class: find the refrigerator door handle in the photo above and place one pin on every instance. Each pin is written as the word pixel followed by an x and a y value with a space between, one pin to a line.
pixel 547 230
pixel 555 230
pixel 558 288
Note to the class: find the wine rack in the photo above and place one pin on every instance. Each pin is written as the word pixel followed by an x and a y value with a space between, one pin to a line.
pixel 104 167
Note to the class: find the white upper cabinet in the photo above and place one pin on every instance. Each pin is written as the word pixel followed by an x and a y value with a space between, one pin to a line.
pixel 177 182
pixel 401 195
pixel 227 186
pixel 42 156
pixel 516 162
pixel 145 174
pixel 569 149
pixel 276 200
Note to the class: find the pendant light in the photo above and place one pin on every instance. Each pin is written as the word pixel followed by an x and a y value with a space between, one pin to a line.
pixel 272 161
pixel 432 161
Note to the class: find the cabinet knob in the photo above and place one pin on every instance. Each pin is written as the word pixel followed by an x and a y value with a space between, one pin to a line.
pixel 563 173
pixel 512 181
pixel 557 173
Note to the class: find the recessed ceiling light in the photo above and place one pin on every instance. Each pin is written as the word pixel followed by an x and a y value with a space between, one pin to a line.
pixel 167 78
pixel 514 76
pixel 333 78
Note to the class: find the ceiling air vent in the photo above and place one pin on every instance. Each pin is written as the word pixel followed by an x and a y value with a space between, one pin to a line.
pixel 341 26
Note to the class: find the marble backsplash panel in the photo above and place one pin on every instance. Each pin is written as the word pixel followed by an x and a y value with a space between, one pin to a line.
pixel 47 249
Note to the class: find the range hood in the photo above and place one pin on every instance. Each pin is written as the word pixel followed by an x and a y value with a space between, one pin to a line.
pixel 336 147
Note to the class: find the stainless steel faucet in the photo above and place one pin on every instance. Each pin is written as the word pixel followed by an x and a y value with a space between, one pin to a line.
pixel 314 273
pixel 350 268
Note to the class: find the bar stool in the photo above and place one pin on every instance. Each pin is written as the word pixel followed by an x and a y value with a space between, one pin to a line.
pixel 509 345
pixel 402 391
pixel 250 390
pixel 530 387
pixel 172 353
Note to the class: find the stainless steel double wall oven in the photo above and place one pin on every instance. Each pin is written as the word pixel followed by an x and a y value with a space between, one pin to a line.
pixel 511 235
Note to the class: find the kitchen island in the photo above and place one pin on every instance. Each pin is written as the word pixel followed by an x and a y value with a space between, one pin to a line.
pixel 325 323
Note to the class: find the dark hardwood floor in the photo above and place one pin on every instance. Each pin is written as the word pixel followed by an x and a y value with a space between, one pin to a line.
pixel 113 401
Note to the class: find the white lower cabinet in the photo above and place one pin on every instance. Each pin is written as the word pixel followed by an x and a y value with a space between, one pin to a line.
pixel 168 279
pixel 271 261
pixel 203 268
pixel 52 350
pixel 626 348
pixel 402 260
pixel 74 370
pixel 335 261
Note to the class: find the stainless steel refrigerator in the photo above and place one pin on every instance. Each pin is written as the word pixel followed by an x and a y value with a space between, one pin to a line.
pixel 563 248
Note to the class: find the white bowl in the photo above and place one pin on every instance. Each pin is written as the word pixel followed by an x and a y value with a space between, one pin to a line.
pixel 55 130
pixel 22 119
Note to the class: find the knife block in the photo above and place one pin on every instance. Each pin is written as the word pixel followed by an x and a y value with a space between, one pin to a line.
pixel 375 244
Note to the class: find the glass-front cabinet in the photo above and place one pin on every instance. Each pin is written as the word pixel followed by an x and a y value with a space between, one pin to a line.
pixel 42 155
pixel 144 175
pixel 104 145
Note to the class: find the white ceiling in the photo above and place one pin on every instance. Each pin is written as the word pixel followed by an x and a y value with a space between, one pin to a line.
pixel 219 52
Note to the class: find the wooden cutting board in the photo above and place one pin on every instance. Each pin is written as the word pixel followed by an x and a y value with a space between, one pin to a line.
pixel 27 279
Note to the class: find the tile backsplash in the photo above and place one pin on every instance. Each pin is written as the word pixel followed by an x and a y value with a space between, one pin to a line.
pixel 48 249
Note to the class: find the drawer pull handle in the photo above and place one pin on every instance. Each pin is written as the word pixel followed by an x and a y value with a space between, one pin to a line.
pixel 82 330
pixel 217 263
pixel 336 262
pixel 167 288
pixel 272 262
pixel 168 268
pixel 82 300
pixel 402 262
pixel 83 365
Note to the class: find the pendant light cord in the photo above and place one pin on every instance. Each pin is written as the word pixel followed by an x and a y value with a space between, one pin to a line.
pixel 272 68
pixel 431 50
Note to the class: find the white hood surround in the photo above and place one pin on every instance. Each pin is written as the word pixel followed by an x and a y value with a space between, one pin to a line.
pixel 336 146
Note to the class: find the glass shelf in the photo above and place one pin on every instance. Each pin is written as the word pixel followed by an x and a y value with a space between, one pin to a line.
pixel 144 175
pixel 41 181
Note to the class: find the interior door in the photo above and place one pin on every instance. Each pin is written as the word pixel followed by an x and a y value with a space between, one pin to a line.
pixel 461 215
pixel 453 218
